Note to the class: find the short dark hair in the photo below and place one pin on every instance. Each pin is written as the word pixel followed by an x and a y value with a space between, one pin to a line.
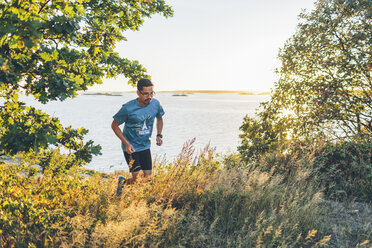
pixel 144 82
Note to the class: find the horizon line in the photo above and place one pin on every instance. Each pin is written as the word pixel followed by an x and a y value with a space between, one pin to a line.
pixel 184 91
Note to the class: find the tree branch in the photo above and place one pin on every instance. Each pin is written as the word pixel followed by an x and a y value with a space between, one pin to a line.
pixel 42 7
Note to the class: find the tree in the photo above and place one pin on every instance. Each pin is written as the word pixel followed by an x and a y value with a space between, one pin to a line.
pixel 324 84
pixel 51 50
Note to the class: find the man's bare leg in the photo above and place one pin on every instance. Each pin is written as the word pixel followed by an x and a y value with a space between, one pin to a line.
pixel 147 174
pixel 135 176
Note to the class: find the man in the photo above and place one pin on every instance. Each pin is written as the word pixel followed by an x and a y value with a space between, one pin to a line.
pixel 138 115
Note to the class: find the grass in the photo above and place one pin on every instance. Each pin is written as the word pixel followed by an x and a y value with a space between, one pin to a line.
pixel 195 201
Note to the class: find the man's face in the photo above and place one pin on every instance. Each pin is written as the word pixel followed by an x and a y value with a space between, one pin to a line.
pixel 145 95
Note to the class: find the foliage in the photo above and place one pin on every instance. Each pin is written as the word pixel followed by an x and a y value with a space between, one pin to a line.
pixel 32 208
pixel 19 133
pixel 342 169
pixel 324 84
pixel 51 50
pixel 345 170
pixel 325 77
pixel 262 134
pixel 192 202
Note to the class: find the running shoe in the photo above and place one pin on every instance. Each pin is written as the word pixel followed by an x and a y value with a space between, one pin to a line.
pixel 121 182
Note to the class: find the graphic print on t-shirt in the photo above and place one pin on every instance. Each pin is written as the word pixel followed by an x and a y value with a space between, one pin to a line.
pixel 145 126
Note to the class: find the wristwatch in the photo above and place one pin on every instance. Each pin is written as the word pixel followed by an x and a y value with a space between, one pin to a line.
pixel 159 135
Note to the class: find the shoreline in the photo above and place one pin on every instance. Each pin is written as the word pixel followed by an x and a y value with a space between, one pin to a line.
pixel 118 93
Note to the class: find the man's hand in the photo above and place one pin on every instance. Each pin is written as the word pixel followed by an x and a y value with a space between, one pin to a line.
pixel 129 148
pixel 159 140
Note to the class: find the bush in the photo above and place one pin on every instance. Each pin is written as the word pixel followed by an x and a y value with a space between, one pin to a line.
pixel 345 169
pixel 342 168
pixel 34 209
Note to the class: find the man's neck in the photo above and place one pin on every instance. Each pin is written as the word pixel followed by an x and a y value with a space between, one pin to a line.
pixel 140 103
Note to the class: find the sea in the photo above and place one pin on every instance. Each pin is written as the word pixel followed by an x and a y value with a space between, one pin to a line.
pixel 212 119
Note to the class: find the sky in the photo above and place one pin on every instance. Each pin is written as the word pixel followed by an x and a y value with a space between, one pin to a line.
pixel 212 45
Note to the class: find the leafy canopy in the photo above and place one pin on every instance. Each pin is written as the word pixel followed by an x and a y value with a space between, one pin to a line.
pixel 324 84
pixel 53 48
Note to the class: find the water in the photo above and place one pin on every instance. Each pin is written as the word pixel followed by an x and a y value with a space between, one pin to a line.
pixel 210 118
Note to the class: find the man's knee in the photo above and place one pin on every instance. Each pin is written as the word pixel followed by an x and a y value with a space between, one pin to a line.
pixel 147 173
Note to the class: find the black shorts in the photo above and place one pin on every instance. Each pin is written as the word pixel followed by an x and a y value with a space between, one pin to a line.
pixel 142 160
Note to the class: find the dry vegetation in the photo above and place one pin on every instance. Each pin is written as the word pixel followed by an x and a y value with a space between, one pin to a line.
pixel 196 201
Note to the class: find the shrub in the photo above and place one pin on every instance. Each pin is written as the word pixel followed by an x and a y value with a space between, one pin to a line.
pixel 342 168
pixel 345 168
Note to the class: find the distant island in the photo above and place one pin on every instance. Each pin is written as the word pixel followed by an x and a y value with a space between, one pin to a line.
pixel 102 93
pixel 180 94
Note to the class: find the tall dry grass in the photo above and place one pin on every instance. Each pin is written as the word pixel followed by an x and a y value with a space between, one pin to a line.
pixel 195 201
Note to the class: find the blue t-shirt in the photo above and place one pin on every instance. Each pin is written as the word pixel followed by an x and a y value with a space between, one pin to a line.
pixel 139 122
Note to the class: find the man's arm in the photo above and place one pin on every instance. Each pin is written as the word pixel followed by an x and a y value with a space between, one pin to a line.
pixel 115 127
pixel 159 129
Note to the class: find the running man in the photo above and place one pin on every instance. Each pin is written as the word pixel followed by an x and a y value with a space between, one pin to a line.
pixel 138 115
